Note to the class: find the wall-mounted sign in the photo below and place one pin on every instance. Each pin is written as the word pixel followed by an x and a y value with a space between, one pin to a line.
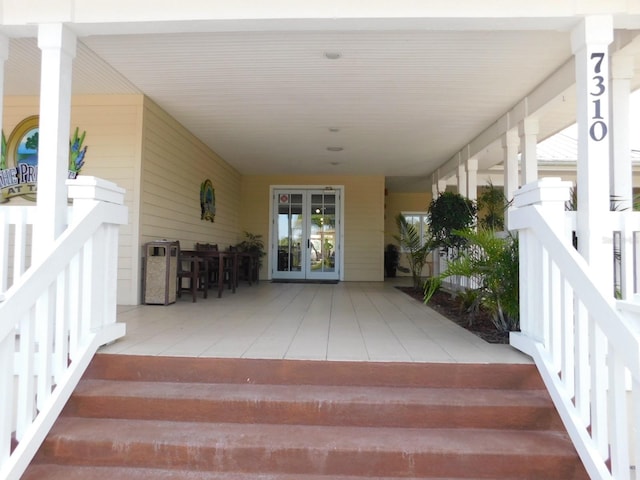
pixel 19 160
pixel 207 201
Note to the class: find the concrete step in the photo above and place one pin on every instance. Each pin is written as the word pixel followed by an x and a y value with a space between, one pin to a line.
pixel 67 472
pixel 315 405
pixel 313 372
pixel 136 417
pixel 318 450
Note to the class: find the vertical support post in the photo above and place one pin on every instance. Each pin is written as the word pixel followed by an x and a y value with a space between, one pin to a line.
pixel 548 195
pixel 58 45
pixel 462 180
pixel 528 131
pixel 434 186
pixel 471 167
pixel 621 174
pixel 510 161
pixel 4 55
pixel 4 225
pixel 590 41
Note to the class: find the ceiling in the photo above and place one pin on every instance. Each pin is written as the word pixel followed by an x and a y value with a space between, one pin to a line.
pixel 394 102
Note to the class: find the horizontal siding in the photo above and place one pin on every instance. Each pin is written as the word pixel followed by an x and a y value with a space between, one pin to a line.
pixel 174 164
pixel 403 202
pixel 113 126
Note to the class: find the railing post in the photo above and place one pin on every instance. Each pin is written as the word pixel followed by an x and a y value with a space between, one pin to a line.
pixel 101 253
pixel 547 195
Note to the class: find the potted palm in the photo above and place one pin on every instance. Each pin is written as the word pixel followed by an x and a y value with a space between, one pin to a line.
pixel 391 260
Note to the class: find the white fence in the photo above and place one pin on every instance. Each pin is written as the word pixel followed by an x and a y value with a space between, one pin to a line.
pixel 55 314
pixel 584 342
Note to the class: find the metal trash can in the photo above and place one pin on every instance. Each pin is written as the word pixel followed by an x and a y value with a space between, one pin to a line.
pixel 160 265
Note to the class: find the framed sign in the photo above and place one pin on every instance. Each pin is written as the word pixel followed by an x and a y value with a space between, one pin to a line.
pixel 207 201
pixel 19 160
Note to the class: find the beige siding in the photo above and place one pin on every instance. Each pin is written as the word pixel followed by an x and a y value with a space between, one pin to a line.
pixel 363 220
pixel 403 202
pixel 113 125
pixel 174 165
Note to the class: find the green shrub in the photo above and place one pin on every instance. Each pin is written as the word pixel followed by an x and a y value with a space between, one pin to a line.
pixel 492 264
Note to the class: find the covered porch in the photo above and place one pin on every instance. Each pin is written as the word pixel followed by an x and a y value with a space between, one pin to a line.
pixel 350 321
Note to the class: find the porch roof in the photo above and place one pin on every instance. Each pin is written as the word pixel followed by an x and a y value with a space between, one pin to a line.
pixel 411 86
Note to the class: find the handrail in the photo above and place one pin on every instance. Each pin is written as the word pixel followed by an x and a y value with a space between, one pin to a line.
pixel 588 353
pixel 64 307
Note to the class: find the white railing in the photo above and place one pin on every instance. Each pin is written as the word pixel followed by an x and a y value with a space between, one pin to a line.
pixel 54 317
pixel 586 349
pixel 15 252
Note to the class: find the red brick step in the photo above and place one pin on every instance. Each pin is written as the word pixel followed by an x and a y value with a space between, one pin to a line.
pixel 229 419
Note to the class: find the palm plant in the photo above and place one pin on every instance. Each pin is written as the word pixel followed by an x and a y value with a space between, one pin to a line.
pixel 491 263
pixel 416 250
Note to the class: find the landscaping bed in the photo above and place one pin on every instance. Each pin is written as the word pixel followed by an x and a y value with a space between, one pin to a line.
pixel 446 304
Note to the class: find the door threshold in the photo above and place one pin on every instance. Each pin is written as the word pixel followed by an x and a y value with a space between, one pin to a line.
pixel 296 280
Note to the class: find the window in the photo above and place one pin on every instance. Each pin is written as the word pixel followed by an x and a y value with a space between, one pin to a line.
pixel 420 221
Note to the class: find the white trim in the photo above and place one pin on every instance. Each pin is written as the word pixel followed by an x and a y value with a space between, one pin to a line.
pixel 272 189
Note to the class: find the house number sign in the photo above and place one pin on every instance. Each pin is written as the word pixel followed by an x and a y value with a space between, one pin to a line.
pixel 597 124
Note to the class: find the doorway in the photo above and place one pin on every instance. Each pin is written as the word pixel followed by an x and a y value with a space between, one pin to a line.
pixel 306 232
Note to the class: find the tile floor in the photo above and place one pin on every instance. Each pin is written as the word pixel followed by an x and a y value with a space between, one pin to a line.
pixel 355 321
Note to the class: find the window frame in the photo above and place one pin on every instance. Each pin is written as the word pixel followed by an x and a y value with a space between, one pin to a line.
pixel 424 222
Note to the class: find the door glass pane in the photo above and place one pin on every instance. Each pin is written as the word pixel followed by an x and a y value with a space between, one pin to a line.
pixel 322 233
pixel 290 224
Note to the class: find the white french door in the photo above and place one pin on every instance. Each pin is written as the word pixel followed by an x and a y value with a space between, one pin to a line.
pixel 306 230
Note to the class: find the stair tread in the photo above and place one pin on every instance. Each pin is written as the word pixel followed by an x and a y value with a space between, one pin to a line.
pixel 228 419
pixel 325 394
pixel 75 472
pixel 313 372
pixel 120 433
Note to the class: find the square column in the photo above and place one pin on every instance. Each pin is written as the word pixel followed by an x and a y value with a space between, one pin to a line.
pixel 621 172
pixel 461 173
pixel 4 55
pixel 590 44
pixel 471 167
pixel 528 131
pixel 510 161
pixel 58 45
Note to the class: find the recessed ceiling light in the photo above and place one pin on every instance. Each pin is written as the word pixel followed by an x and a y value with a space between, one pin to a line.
pixel 332 55
pixel 335 164
pixel 335 149
pixel 334 129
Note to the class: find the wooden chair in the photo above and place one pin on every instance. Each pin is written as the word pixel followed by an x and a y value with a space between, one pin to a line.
pixel 212 263
pixel 192 268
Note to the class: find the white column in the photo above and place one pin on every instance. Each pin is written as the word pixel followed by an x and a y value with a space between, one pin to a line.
pixel 589 43
pixel 528 131
pixel 471 167
pixel 462 180
pixel 510 161
pixel 621 173
pixel 510 143
pixel 434 186
pixel 4 55
pixel 58 45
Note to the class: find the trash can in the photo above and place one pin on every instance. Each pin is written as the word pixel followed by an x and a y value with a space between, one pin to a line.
pixel 160 265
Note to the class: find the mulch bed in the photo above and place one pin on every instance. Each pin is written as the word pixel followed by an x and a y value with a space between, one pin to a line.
pixel 480 324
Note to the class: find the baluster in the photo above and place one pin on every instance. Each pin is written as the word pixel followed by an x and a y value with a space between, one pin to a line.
pixel 619 418
pixel 582 362
pixel 568 340
pixel 61 327
pixel 7 348
pixel 26 373
pixel 4 251
pixel 75 304
pixel 598 355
